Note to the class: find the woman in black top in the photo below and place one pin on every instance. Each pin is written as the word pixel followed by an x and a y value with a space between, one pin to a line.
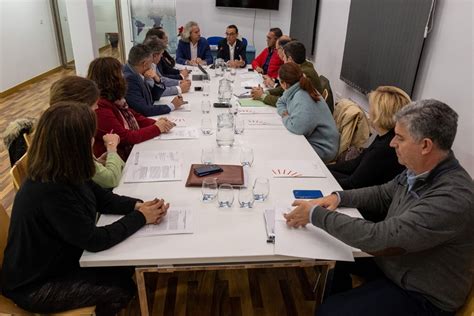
pixel 53 222
pixel 167 62
pixel 378 163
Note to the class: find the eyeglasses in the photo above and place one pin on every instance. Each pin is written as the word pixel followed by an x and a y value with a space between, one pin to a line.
pixel 230 34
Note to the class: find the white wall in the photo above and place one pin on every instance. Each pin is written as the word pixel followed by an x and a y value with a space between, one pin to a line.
pixel 28 46
pixel 213 20
pixel 446 71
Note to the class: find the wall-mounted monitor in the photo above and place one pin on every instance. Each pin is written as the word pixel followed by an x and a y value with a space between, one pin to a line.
pixel 252 4
pixel 384 42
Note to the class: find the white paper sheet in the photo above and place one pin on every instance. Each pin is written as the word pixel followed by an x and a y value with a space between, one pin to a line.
pixel 257 110
pixel 176 221
pixel 180 133
pixel 309 242
pixel 152 166
pixel 179 121
pixel 296 169
pixel 252 82
pixel 184 108
pixel 267 121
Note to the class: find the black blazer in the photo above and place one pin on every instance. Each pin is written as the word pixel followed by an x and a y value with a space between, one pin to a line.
pixel 240 51
pixel 166 66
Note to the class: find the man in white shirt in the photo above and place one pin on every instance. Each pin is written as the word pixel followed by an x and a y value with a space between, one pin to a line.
pixel 231 49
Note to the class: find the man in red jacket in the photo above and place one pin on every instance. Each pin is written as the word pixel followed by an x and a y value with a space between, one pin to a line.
pixel 268 62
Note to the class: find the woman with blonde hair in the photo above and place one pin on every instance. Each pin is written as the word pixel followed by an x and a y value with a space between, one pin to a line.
pixel 192 48
pixel 304 112
pixel 108 167
pixel 378 163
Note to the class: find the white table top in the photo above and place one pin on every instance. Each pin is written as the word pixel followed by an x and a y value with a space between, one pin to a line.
pixel 220 235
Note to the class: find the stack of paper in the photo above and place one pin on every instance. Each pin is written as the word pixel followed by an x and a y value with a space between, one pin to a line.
pixel 180 133
pixel 263 110
pixel 152 166
pixel 296 169
pixel 312 242
pixel 179 121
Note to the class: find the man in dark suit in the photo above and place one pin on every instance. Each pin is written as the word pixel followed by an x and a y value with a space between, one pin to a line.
pixel 139 94
pixel 231 49
pixel 192 48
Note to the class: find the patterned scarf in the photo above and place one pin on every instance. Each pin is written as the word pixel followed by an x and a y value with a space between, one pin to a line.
pixel 129 120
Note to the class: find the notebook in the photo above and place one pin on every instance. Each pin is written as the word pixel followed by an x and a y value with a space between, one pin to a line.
pixel 231 174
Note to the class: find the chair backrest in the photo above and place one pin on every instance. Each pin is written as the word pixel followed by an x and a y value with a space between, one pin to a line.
pixel 468 308
pixel 4 225
pixel 214 40
pixel 28 138
pixel 352 124
pixel 244 41
pixel 18 171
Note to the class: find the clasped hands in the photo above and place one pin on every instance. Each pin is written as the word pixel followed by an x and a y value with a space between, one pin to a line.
pixel 153 210
pixel 299 216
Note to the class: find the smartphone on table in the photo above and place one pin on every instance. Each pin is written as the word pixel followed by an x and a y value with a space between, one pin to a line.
pixel 206 170
pixel 307 194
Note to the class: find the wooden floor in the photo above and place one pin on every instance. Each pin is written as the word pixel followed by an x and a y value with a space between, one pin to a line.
pixel 228 292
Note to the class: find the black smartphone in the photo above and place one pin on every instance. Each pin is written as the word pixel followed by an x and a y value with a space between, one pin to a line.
pixel 222 105
pixel 197 88
pixel 250 69
pixel 206 170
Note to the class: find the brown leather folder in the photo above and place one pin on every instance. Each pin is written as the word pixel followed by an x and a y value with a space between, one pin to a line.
pixel 232 174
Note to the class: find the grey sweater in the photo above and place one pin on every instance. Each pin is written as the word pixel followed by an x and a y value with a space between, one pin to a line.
pixel 426 242
pixel 311 119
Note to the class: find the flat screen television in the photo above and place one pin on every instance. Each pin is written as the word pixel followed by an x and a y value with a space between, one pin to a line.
pixel 252 4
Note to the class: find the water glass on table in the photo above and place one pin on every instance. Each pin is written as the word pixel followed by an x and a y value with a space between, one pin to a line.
pixel 246 156
pixel 207 156
pixel 239 125
pixel 225 196
pixel 206 125
pixel 206 88
pixel 205 106
pixel 246 198
pixel 261 189
pixel 209 189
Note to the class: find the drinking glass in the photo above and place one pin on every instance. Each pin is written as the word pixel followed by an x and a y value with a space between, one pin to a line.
pixel 246 198
pixel 225 195
pixel 206 88
pixel 206 125
pixel 246 156
pixel 239 125
pixel 207 156
pixel 261 189
pixel 209 189
pixel 205 106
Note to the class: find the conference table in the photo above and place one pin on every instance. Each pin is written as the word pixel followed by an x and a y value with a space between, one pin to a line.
pixel 221 238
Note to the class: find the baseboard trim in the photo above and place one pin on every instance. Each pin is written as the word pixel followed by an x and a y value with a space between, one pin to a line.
pixel 28 82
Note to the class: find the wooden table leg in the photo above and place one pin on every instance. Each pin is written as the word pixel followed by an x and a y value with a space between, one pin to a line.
pixel 142 297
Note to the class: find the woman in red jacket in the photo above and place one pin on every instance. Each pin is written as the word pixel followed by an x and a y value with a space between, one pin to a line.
pixel 113 113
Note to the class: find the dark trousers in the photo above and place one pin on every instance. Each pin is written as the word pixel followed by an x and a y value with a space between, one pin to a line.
pixel 377 296
pixel 109 289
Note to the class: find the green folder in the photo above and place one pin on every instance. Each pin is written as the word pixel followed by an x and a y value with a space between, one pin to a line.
pixel 251 102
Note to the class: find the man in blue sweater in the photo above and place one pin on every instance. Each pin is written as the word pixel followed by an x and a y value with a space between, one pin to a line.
pixel 140 96
pixel 424 248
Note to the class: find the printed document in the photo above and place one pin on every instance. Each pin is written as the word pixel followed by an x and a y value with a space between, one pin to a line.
pixel 180 133
pixel 176 221
pixel 307 242
pixel 152 166
pixel 296 169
